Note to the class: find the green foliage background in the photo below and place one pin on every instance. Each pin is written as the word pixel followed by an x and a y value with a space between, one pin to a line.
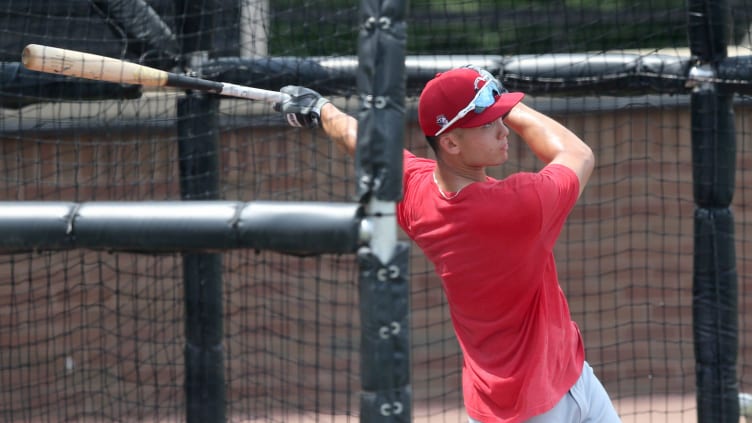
pixel 506 27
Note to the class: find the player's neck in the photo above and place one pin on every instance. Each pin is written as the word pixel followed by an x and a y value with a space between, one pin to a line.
pixel 452 178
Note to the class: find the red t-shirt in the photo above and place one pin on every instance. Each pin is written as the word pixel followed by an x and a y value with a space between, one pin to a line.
pixel 492 245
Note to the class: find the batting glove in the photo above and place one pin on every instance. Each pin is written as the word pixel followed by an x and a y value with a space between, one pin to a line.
pixel 303 108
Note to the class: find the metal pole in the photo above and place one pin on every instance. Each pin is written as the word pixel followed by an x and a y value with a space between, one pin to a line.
pixel 254 28
pixel 198 149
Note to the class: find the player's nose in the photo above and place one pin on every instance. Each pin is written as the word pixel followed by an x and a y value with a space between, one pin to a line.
pixel 503 130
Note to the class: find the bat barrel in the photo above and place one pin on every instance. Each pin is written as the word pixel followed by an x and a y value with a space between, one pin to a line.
pixel 89 66
pixel 100 68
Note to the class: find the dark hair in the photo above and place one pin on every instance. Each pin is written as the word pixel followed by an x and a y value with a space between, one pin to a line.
pixel 433 142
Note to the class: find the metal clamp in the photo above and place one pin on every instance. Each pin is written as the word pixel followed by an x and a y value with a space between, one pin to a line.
pixel 394 328
pixel 383 22
pixel 387 273
pixel 394 408
pixel 378 102
pixel 701 75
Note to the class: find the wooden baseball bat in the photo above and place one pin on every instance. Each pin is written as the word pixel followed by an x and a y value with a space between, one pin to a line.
pixel 100 68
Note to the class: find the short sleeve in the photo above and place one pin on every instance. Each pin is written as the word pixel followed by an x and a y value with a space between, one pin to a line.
pixel 413 167
pixel 558 191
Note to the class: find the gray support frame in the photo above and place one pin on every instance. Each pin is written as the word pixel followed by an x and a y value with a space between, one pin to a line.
pixel 385 337
pixel 299 228
pixel 383 278
pixel 198 151
pixel 139 20
pixel 715 289
pixel 198 156
pixel 576 74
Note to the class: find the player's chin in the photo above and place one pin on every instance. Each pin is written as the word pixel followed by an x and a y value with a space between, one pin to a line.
pixel 496 161
pixel 503 155
pixel 491 158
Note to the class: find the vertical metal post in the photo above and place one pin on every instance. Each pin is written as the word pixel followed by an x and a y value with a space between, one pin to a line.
pixel 715 288
pixel 385 340
pixel 254 28
pixel 202 272
pixel 198 150
pixel 383 265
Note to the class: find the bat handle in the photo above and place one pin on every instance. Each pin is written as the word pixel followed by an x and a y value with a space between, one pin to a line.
pixel 241 91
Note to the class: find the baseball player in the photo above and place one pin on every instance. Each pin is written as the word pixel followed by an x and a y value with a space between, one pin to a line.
pixel 491 241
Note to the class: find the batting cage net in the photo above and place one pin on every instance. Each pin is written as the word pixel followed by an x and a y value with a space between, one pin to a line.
pixel 107 333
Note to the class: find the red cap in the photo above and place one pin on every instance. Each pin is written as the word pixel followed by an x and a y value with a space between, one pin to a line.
pixel 449 92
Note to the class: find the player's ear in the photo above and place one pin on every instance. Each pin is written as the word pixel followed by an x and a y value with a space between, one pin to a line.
pixel 447 143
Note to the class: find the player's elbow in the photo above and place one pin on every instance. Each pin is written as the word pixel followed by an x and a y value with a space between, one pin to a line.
pixel 587 158
pixel 580 159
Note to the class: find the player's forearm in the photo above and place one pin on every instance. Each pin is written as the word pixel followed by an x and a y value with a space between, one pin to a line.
pixel 340 127
pixel 547 138
pixel 552 142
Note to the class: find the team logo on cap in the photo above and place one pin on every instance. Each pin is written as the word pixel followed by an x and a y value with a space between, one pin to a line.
pixel 441 120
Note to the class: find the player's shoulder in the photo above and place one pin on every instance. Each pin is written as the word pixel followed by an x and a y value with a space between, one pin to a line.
pixel 549 174
pixel 551 178
pixel 413 163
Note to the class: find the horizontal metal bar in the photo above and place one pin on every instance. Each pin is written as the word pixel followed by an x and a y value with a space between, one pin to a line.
pixel 300 228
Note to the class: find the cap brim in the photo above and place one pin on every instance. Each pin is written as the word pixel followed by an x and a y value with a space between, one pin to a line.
pixel 501 107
